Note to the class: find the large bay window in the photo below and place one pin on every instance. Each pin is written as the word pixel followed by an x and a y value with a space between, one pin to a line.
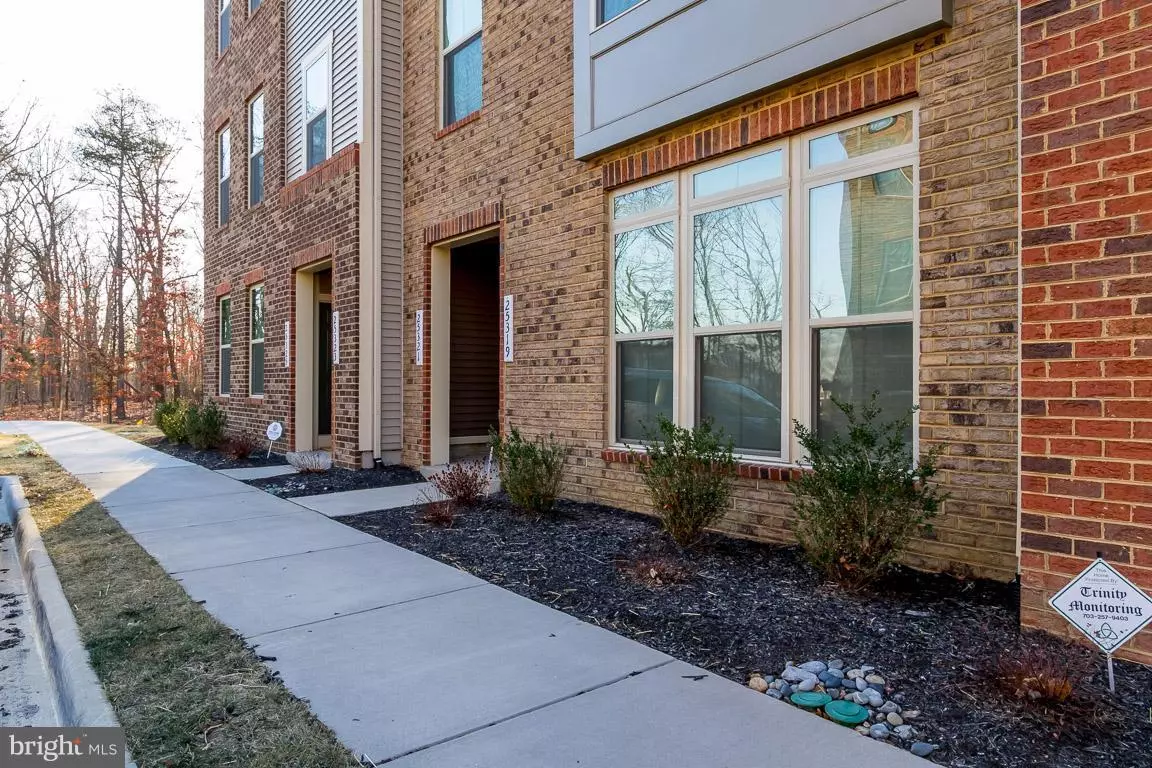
pixel 755 289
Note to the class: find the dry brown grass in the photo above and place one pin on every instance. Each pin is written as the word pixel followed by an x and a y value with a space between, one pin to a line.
pixel 141 433
pixel 187 691
pixel 655 571
pixel 1043 676
pixel 440 513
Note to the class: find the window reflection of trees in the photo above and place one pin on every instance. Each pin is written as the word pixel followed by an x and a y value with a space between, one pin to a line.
pixel 645 279
pixel 643 200
pixel 737 261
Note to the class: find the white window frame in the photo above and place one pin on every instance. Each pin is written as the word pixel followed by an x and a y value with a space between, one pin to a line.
pixel 223 199
pixel 322 50
pixel 446 50
pixel 597 22
pixel 796 327
pixel 253 341
pixel 225 301
pixel 253 153
pixel 221 6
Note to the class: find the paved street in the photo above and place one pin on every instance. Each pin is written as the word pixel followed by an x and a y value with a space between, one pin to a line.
pixel 416 663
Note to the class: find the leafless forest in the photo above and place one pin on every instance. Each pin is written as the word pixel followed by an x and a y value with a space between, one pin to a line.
pixel 100 290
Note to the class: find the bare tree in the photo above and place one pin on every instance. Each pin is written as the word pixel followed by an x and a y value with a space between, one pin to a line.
pixel 44 226
pixel 108 146
pixel 155 215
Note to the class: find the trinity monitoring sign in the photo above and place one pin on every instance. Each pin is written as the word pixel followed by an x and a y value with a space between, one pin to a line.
pixel 1104 605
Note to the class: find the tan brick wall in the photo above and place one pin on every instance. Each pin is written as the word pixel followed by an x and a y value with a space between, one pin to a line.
pixel 518 152
pixel 1086 425
pixel 319 210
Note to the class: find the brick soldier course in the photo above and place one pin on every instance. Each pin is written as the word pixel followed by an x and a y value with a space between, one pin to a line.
pixel 1086 269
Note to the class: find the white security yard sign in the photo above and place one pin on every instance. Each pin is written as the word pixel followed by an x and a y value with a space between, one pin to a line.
pixel 273 433
pixel 419 337
pixel 1104 605
pixel 508 331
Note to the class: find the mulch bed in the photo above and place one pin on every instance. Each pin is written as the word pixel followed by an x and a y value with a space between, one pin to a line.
pixel 336 480
pixel 289 486
pixel 737 607
pixel 213 459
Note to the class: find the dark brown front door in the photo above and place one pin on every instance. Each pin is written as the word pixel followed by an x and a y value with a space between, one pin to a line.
pixel 474 364
pixel 324 369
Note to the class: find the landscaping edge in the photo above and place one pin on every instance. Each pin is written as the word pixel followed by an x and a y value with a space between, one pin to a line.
pixel 76 691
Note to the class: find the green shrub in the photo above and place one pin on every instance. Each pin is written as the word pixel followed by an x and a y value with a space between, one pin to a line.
pixel 169 416
pixel 530 471
pixel 689 475
pixel 205 425
pixel 864 496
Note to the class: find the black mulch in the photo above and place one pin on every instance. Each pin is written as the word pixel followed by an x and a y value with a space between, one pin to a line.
pixel 749 607
pixel 336 480
pixel 288 486
pixel 213 459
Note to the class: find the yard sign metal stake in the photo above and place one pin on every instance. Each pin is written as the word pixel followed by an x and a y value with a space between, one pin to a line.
pixel 1106 607
pixel 275 429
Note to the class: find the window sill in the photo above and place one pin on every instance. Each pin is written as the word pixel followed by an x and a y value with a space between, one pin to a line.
pixel 752 470
pixel 453 127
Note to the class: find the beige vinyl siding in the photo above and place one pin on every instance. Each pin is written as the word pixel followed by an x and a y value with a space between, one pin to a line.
pixel 308 24
pixel 392 230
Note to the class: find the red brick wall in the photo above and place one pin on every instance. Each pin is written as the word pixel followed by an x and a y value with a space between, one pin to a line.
pixel 316 211
pixel 518 152
pixel 1086 347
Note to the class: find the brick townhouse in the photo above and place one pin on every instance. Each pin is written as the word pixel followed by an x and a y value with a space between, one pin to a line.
pixel 573 217
pixel 726 209
pixel 1086 297
pixel 302 222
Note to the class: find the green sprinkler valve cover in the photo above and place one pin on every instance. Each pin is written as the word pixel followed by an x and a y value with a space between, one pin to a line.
pixel 846 712
pixel 810 699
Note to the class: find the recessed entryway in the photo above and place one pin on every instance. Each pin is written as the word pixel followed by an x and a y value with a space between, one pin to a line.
pixel 314 357
pixel 465 342
pixel 474 365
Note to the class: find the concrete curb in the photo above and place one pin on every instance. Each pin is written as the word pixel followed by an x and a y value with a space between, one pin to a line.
pixel 80 700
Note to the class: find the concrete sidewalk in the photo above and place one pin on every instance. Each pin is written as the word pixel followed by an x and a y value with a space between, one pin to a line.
pixel 415 663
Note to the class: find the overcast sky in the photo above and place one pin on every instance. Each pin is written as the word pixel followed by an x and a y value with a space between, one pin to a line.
pixel 64 53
